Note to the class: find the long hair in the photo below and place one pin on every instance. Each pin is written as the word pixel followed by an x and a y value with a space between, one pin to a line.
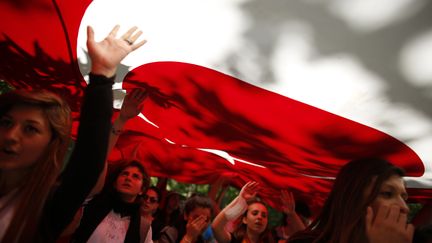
pixel 43 174
pixel 240 232
pixel 342 217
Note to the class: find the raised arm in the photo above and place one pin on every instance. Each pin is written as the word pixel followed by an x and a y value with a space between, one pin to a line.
pixel 88 158
pixel 131 107
pixel 219 185
pixel 232 211
pixel 288 206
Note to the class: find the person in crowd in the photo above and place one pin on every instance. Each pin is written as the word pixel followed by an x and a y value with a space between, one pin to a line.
pixel 131 107
pixel 172 207
pixel 366 204
pixel 291 221
pixel 169 212
pixel 150 203
pixel 34 136
pixel 150 209
pixel 198 212
pixel 254 226
pixel 114 214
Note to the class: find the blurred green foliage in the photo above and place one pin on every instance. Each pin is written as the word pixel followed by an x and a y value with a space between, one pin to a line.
pixel 4 86
pixel 414 209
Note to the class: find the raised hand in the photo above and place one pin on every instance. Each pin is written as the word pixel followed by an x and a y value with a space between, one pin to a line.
pixel 288 202
pixel 132 104
pixel 108 53
pixel 388 226
pixel 195 227
pixel 249 190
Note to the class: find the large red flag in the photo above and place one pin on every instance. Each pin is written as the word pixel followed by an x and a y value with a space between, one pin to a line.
pixel 205 124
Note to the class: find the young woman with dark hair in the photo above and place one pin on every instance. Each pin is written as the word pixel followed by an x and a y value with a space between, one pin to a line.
pixel 149 207
pixel 254 225
pixel 35 205
pixel 150 202
pixel 366 204
pixel 114 215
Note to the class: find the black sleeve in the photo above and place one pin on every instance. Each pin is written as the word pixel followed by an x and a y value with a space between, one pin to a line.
pixel 88 157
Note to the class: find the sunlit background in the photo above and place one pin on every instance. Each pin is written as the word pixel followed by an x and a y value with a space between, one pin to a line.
pixel 366 60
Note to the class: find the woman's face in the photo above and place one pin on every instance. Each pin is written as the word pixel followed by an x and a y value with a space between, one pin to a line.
pixel 24 137
pixel 150 202
pixel 256 218
pixel 392 192
pixel 129 183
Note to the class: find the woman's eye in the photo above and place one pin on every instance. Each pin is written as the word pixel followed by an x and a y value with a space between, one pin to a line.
pixel 31 129
pixel 386 194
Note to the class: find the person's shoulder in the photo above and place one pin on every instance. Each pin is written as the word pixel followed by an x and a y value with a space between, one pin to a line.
pixel 170 233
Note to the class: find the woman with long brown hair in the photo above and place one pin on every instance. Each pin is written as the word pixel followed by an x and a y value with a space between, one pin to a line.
pixel 366 204
pixel 35 204
pixel 253 227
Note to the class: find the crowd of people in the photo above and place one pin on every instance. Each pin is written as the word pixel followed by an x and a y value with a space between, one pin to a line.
pixel 89 201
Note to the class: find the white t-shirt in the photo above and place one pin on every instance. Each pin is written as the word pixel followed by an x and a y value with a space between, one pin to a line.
pixel 113 229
